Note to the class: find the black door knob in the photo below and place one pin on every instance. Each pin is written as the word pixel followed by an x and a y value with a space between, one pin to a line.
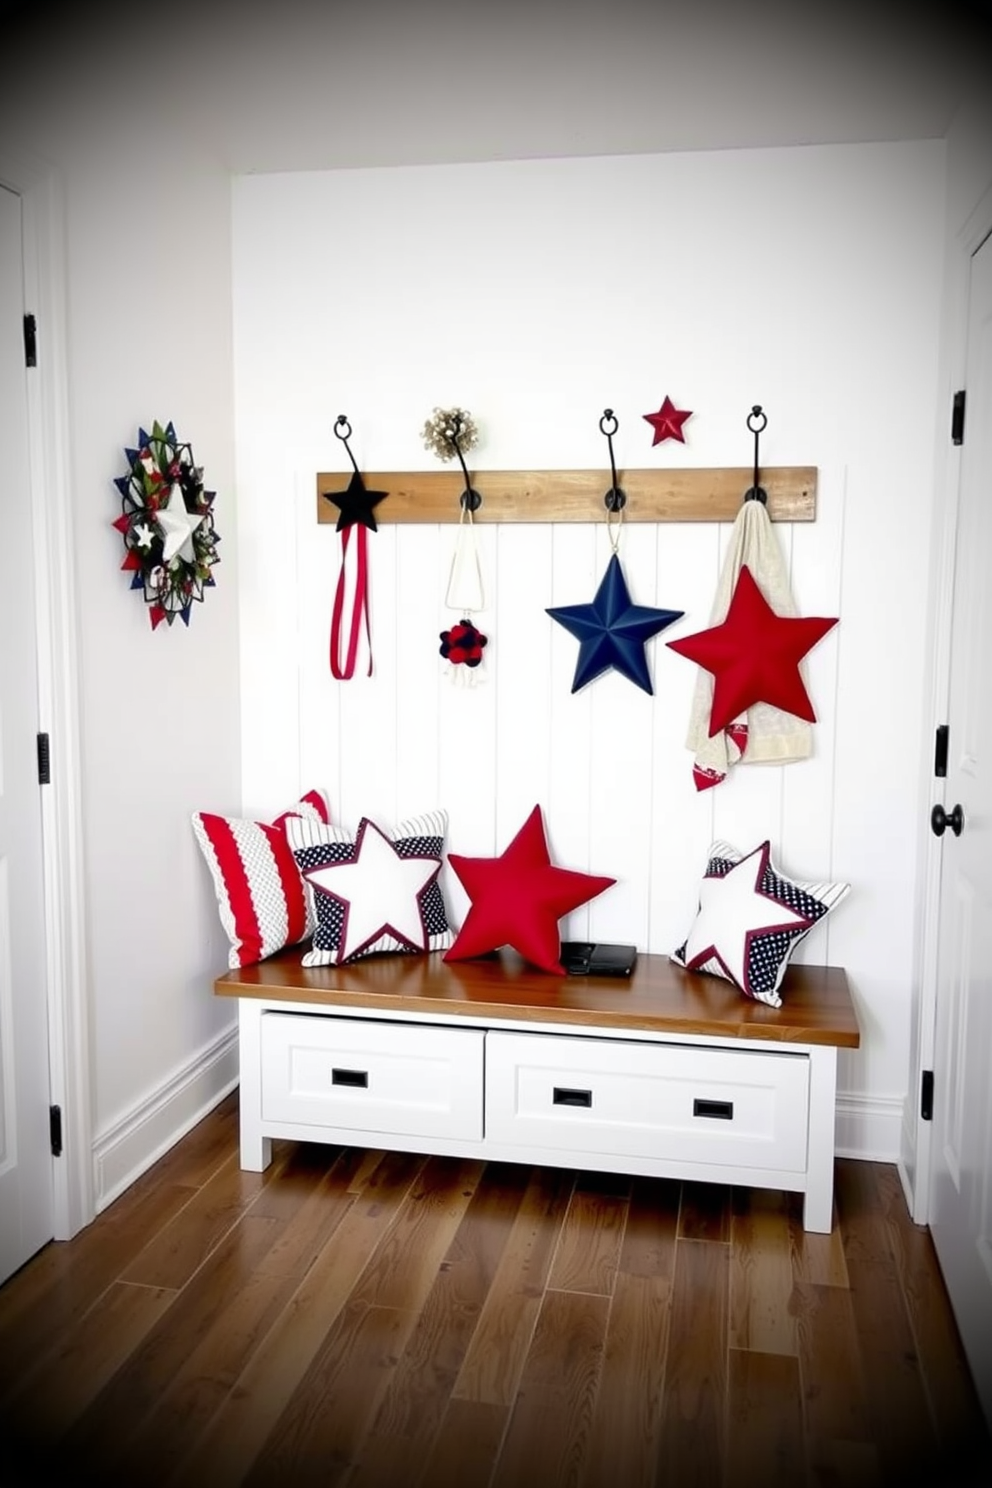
pixel 940 820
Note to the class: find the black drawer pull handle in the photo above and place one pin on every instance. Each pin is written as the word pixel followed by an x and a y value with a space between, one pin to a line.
pixel 358 1079
pixel 723 1110
pixel 564 1097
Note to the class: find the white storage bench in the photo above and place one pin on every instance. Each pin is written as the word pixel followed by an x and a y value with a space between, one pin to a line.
pixel 668 1074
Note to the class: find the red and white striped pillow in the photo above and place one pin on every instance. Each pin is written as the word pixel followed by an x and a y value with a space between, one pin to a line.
pixel 260 891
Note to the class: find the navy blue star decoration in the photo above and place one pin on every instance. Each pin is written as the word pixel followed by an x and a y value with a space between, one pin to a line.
pixel 612 631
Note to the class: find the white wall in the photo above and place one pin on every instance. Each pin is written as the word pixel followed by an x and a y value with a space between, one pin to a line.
pixel 536 294
pixel 149 336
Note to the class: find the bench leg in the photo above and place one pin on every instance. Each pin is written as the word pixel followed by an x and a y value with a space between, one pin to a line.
pixel 819 1203
pixel 256 1150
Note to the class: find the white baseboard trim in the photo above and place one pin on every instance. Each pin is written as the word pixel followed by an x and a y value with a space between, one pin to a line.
pixel 133 1144
pixel 869 1126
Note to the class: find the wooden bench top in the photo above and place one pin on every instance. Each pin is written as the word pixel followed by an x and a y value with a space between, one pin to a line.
pixel 659 997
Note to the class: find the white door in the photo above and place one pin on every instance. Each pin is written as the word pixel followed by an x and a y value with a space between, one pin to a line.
pixel 961 1174
pixel 26 1196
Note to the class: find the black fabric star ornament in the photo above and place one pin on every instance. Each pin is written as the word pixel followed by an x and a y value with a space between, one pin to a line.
pixel 612 632
pixel 355 504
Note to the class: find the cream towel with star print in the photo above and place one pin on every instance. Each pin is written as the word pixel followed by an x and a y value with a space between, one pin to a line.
pixel 763 734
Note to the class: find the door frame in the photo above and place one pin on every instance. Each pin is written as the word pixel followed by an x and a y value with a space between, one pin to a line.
pixel 45 275
pixel 916 1158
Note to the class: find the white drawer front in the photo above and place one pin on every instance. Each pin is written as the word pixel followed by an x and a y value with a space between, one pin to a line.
pixel 369 1076
pixel 666 1101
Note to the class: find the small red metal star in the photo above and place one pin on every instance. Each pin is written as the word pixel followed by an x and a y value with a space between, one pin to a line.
pixel 667 422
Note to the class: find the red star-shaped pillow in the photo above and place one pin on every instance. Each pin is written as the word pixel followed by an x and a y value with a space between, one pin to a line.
pixel 754 656
pixel 518 899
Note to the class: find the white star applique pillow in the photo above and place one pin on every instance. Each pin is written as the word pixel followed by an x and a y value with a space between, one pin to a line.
pixel 751 918
pixel 373 890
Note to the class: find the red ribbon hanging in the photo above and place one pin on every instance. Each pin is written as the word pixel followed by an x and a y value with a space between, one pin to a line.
pixel 359 607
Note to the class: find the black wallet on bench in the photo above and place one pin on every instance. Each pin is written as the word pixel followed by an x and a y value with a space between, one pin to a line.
pixel 586 958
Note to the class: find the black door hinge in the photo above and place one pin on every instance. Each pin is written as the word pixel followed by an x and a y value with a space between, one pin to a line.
pixel 55 1128
pixel 957 418
pixel 30 341
pixel 940 751
pixel 926 1096
pixel 44 761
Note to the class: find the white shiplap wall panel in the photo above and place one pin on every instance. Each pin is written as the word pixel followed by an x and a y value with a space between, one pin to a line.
pixel 623 765
pixel 418 621
pixel 575 574
pixel 522 655
pixel 681 822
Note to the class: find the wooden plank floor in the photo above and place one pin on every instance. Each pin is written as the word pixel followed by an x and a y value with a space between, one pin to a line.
pixel 375 1320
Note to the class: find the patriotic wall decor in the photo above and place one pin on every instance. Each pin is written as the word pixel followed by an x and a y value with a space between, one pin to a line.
pixel 261 896
pixel 667 422
pixel 751 918
pixel 518 898
pixel 754 656
pixel 167 525
pixel 612 631
pixel 356 517
pixel 451 433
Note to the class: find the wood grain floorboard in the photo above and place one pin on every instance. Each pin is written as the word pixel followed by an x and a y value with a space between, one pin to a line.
pixel 692 1447
pixel 373 1319
pixel 765 1440
pixel 548 1432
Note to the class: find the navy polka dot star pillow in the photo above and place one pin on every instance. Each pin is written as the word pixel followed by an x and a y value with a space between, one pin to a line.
pixel 373 890
pixel 751 918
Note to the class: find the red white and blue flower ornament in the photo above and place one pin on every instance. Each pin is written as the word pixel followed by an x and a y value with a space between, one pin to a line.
pixel 448 433
pixel 463 644
pixel 167 525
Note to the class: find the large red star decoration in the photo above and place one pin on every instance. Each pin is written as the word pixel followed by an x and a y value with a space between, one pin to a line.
pixel 754 656
pixel 667 422
pixel 518 899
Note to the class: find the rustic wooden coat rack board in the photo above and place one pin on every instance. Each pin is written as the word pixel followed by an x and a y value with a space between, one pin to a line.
pixel 579 495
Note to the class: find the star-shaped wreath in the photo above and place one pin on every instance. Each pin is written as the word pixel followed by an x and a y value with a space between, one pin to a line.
pixel 754 656
pixel 167 525
pixel 612 631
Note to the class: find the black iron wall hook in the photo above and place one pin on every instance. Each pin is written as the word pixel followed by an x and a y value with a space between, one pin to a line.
pixel 614 500
pixel 342 429
pixel 470 498
pixel 756 422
